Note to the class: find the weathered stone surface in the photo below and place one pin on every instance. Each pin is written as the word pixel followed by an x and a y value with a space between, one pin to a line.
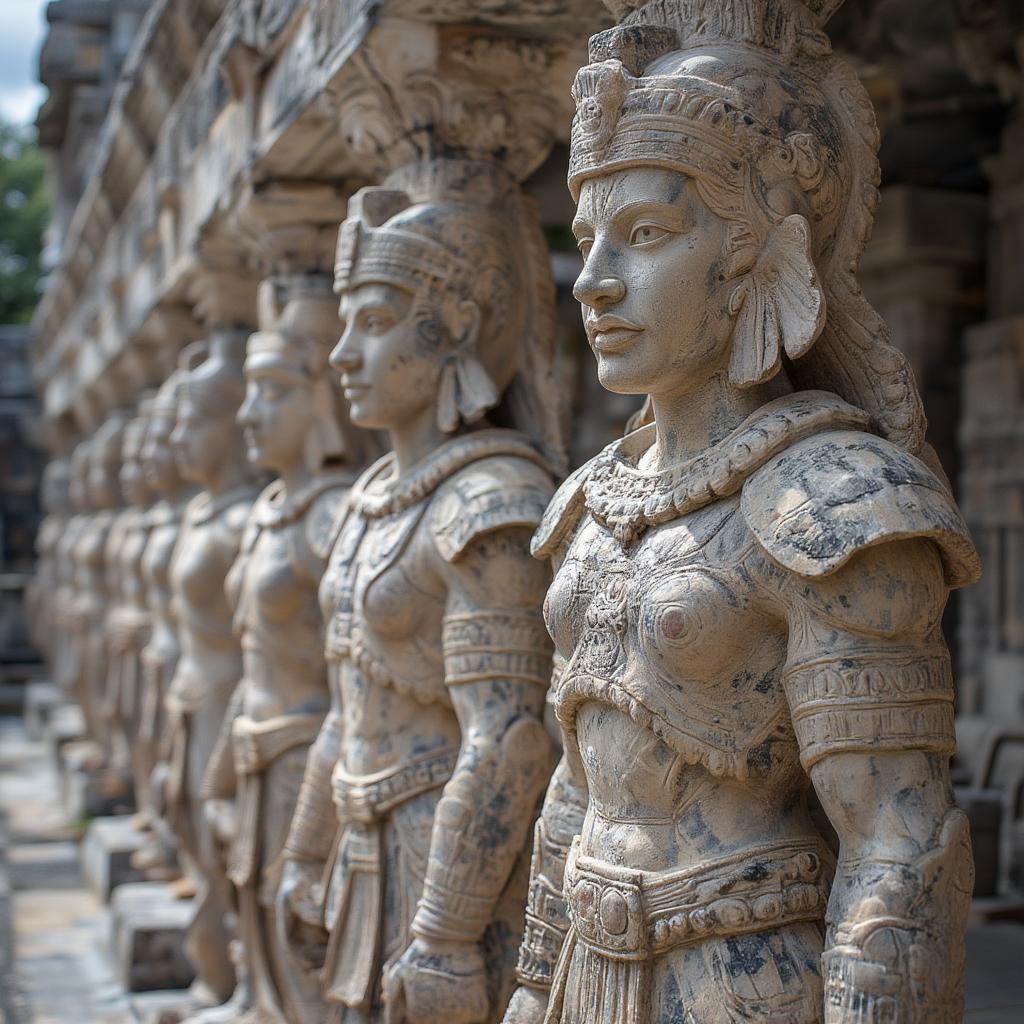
pixel 747 586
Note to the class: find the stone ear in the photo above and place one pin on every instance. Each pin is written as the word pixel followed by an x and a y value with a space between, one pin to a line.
pixel 779 306
pixel 466 389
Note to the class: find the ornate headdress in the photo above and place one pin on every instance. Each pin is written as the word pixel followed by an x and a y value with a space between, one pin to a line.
pixel 299 326
pixel 212 373
pixel 463 230
pixel 54 487
pixel 780 139
pixel 135 430
pixel 164 405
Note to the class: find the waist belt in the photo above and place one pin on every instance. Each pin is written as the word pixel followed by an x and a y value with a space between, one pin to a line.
pixel 355 902
pixel 369 798
pixel 257 744
pixel 635 915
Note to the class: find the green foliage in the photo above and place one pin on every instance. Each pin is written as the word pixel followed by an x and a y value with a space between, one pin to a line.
pixel 24 214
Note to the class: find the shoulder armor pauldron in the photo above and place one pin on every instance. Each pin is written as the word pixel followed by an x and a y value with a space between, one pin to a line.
pixel 324 520
pixel 490 495
pixel 816 504
pixel 563 513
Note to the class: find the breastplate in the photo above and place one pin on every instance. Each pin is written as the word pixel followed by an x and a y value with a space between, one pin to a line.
pixel 378 618
pixel 276 615
pixel 669 632
pixel 197 579
pixel 130 558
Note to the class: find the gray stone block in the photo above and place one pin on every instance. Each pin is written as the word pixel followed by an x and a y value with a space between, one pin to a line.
pixel 147 931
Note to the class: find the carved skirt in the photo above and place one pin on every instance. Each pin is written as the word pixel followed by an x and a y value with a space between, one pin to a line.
pixel 375 885
pixel 732 942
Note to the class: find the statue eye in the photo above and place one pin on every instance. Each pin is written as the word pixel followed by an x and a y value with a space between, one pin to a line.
pixel 375 323
pixel 643 234
pixel 585 245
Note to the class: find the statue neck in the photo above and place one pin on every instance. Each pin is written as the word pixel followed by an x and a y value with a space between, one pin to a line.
pixel 688 423
pixel 414 440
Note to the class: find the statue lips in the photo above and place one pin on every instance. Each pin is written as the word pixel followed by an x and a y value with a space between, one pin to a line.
pixel 609 334
pixel 353 389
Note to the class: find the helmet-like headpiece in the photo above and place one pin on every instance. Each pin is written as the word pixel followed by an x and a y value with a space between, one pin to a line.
pixel 299 327
pixel 462 231
pixel 779 137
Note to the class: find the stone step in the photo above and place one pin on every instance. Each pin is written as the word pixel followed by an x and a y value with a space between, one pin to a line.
pixel 147 937
pixel 106 855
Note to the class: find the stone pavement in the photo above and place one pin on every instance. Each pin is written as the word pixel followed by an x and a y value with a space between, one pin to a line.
pixel 55 967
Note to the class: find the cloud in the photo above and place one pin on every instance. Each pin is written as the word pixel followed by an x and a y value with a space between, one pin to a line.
pixel 22 27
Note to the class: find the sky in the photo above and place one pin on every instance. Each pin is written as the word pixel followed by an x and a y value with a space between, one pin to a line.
pixel 22 26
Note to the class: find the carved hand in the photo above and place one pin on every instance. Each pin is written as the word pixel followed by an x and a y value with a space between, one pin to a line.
pixel 527 1006
pixel 300 911
pixel 300 894
pixel 222 819
pixel 437 981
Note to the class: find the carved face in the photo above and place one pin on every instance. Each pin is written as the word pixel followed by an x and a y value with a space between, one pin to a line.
pixel 133 482
pixel 277 413
pixel 103 484
pixel 387 356
pixel 653 287
pixel 201 441
pixel 158 463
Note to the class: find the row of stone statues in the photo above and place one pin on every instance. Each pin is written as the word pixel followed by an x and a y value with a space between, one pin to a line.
pixel 332 692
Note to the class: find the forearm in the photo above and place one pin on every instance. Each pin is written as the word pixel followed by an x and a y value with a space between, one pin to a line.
pixel 315 821
pixel 219 779
pixel 547 915
pixel 897 915
pixel 481 826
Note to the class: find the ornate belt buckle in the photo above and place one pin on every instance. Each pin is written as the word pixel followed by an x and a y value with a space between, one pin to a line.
pixel 246 754
pixel 609 916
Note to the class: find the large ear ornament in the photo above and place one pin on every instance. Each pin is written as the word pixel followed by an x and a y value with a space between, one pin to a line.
pixel 779 307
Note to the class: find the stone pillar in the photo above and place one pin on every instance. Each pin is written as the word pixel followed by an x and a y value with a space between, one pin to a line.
pixel 991 636
pixel 922 272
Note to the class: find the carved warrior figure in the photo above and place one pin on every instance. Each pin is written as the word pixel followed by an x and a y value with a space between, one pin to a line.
pixel 68 671
pixel 433 755
pixel 128 620
pixel 294 424
pixel 208 448
pixel 160 655
pixel 42 593
pixel 96 575
pixel 749 585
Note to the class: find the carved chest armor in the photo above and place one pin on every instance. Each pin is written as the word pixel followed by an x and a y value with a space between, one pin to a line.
pixel 669 631
pixel 380 596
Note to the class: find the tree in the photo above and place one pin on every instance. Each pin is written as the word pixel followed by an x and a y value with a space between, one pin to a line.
pixel 24 213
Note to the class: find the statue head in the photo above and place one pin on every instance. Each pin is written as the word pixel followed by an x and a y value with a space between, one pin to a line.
pixel 293 411
pixel 157 456
pixel 724 165
pixel 447 305
pixel 132 478
pixel 78 477
pixel 55 487
pixel 105 456
pixel 206 437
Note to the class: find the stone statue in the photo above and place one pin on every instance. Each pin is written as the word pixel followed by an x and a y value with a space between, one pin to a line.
pixel 42 601
pixel 749 585
pixel 295 426
pixel 208 448
pixel 433 752
pixel 128 620
pixel 160 655
pixel 69 673
pixel 96 575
